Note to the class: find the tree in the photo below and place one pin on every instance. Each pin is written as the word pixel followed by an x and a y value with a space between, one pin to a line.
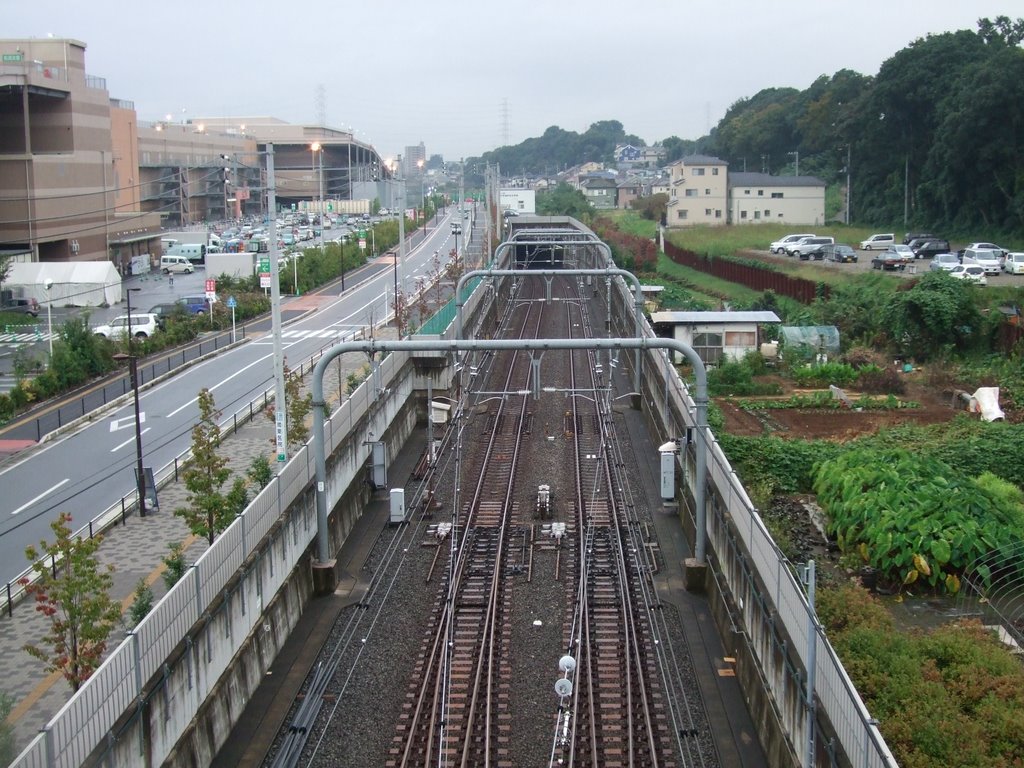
pixel 175 562
pixel 72 591
pixel 298 407
pixel 564 200
pixel 7 743
pixel 209 511
pixel 935 312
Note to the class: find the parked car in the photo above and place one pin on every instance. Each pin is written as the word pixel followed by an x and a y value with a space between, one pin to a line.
pixel 970 272
pixel 23 306
pixel 782 244
pixel 839 253
pixel 889 261
pixel 909 238
pixel 808 245
pixel 930 248
pixel 878 242
pixel 989 259
pixel 1013 264
pixel 903 251
pixel 142 325
pixel 194 305
pixel 989 247
pixel 163 311
pixel 943 261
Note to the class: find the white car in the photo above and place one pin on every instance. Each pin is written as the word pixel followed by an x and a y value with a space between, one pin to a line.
pixel 989 259
pixel 989 247
pixel 944 261
pixel 1013 264
pixel 143 325
pixel 781 246
pixel 971 272
pixel 880 242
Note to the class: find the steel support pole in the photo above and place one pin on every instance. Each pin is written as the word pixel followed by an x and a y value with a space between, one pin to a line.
pixel 372 347
pixel 280 410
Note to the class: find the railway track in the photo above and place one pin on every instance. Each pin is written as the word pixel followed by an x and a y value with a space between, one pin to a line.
pixel 524 546
pixel 457 711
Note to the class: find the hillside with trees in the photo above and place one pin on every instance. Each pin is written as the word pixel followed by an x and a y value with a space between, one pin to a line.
pixel 939 131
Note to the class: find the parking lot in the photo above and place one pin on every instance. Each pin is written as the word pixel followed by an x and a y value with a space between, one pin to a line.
pixel 863 264
pixel 154 288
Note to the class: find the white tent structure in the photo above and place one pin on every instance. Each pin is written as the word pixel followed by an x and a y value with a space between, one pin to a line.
pixel 75 283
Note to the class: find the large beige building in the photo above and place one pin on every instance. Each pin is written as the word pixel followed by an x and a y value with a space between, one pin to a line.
pixel 82 179
pixel 697 191
pixel 760 197
pixel 68 177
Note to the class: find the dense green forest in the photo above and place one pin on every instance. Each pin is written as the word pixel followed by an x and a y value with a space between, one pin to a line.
pixel 939 131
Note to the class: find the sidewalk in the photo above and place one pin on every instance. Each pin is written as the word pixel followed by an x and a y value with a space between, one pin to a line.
pixel 136 550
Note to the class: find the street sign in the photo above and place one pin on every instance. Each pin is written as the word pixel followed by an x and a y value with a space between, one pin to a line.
pixel 279 427
pixel 211 289
pixel 264 279
pixel 362 239
pixel 232 302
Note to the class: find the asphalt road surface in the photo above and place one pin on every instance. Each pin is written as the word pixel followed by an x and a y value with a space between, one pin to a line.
pixel 85 472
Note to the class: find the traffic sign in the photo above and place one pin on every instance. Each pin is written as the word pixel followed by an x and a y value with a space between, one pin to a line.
pixel 211 289
pixel 232 303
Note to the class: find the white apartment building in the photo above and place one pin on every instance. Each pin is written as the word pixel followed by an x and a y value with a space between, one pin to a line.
pixel 760 197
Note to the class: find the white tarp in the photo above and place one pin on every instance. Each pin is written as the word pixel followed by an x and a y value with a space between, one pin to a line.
pixel 986 402
pixel 75 283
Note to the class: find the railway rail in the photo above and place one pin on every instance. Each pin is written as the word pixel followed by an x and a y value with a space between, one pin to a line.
pixel 529 631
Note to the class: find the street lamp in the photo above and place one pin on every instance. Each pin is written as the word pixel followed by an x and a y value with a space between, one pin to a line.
pixel 47 284
pixel 133 368
pixel 314 150
pixel 423 199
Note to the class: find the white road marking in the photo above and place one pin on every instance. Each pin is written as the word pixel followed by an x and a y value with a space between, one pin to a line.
pixel 129 440
pixel 127 421
pixel 176 411
pixel 45 493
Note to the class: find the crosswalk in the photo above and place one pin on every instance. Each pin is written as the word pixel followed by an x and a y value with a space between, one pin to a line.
pixel 338 333
pixel 25 337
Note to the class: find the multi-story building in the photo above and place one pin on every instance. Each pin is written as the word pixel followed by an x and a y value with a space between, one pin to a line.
pixel 698 191
pixel 761 197
pixel 81 179
pixel 69 186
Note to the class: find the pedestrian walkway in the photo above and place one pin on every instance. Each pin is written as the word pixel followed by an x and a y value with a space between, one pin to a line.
pixel 135 550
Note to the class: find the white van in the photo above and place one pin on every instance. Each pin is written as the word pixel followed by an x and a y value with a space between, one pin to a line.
pixel 194 252
pixel 878 242
pixel 174 262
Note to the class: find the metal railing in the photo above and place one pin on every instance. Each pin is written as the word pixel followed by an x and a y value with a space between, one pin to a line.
pixel 117 512
pixel 120 683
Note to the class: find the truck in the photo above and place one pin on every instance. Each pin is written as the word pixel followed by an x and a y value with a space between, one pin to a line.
pixel 522 201
pixel 199 237
pixel 232 264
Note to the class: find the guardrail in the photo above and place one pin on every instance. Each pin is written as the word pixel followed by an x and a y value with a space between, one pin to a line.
pixel 120 683
pixel 81 406
pixel 117 512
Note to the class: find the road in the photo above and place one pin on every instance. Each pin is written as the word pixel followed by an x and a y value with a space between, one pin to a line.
pixel 85 472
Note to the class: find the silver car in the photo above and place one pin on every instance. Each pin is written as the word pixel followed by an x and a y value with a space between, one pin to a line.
pixel 944 261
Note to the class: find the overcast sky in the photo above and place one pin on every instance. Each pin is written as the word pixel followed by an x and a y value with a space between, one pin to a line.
pixel 463 76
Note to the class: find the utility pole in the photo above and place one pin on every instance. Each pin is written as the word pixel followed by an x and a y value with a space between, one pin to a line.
pixel 849 192
pixel 280 410
pixel 399 277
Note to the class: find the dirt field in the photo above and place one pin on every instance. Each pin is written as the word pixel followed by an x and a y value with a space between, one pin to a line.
pixel 934 408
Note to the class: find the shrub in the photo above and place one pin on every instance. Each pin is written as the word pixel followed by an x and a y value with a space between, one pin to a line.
pixel 912 517
pixel 839 374
pixel 881 381
pixel 737 378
